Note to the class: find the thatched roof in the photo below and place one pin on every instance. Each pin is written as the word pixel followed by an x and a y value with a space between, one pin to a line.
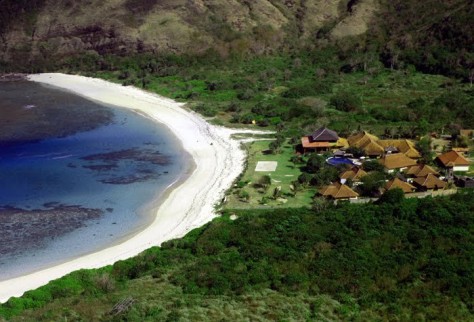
pixel 404 146
pixel 397 183
pixel 396 161
pixel 354 174
pixel 453 158
pixel 366 142
pixel 430 182
pixel 342 142
pixel 373 146
pixel 338 191
pixel 420 170
pixel 361 138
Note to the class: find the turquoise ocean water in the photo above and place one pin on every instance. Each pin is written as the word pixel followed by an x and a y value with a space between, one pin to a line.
pixel 76 191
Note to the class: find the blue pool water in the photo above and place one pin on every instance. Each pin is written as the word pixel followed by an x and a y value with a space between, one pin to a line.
pixel 338 161
pixel 62 197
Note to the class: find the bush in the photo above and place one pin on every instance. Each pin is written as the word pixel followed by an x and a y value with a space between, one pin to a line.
pixel 392 197
pixel 304 178
pixel 355 151
pixel 372 183
pixel 234 107
pixel 264 182
pixel 315 163
pixel 346 102
pixel 105 283
pixel 246 95
pixel 244 195
pixel 205 110
pixel 372 165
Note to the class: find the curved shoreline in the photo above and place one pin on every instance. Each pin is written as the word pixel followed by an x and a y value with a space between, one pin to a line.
pixel 218 161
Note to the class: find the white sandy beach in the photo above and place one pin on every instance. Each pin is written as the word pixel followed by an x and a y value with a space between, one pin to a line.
pixel 218 161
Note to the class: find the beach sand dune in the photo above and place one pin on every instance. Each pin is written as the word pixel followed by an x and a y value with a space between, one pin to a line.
pixel 218 161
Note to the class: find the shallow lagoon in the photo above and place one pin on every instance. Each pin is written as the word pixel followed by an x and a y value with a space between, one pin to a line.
pixel 79 189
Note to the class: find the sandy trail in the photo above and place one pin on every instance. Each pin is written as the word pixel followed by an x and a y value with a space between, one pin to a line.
pixel 218 161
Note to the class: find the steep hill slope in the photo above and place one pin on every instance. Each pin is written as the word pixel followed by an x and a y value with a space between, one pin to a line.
pixel 40 28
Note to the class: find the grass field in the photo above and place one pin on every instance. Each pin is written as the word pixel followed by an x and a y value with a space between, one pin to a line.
pixel 286 172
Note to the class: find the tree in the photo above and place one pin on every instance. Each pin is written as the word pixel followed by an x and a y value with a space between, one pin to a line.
pixel 424 147
pixel 356 151
pixel 304 178
pixel 325 175
pixel 275 147
pixel 372 183
pixel 392 197
pixel 346 102
pixel 372 165
pixel 264 181
pixel 315 163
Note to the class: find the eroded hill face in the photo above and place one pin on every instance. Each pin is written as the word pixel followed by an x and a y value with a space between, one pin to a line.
pixel 45 28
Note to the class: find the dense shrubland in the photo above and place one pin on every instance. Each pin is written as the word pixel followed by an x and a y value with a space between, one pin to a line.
pixel 398 259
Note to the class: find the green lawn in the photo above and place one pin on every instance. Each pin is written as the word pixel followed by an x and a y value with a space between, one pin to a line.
pixel 286 172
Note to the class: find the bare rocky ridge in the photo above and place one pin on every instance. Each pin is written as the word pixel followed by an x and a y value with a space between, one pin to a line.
pixel 61 28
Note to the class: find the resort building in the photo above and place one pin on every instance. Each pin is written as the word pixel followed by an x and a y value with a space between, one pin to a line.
pixel 404 146
pixel 367 142
pixel 397 183
pixel 338 191
pixel 453 161
pixel 375 147
pixel 397 161
pixel 430 182
pixel 322 140
pixel 354 174
pixel 420 170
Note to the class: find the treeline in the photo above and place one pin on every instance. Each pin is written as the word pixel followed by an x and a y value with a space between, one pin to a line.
pixel 292 93
pixel 396 259
pixel 435 36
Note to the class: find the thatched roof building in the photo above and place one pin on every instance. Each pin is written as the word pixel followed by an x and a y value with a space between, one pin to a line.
pixel 338 191
pixel 430 182
pixel 397 161
pixel 454 160
pixel 420 170
pixel 354 174
pixel 397 183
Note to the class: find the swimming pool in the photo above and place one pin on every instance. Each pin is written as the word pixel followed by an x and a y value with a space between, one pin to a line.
pixel 337 161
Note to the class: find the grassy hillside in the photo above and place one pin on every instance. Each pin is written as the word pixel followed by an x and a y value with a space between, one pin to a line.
pixel 396 260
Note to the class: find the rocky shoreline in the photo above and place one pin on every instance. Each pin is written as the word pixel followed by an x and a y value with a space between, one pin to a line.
pixel 13 77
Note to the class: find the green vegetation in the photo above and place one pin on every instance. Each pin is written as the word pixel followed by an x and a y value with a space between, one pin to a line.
pixel 250 193
pixel 408 260
pixel 397 259
pixel 295 94
pixel 440 41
